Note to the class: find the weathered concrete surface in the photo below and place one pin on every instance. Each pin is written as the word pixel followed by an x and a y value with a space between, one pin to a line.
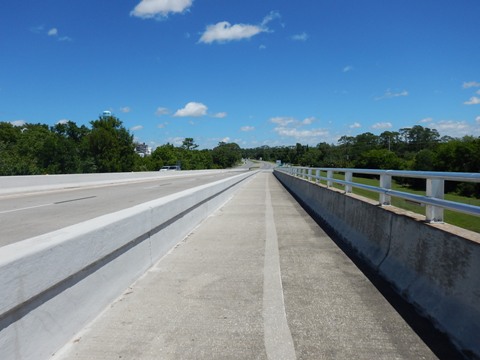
pixel 257 280
pixel 432 268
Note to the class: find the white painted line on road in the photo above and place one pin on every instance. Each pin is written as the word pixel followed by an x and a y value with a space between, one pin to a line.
pixel 277 336
pixel 25 208
pixel 43 205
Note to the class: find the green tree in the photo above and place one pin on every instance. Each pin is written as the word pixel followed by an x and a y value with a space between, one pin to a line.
pixel 164 155
pixel 111 145
pixel 424 160
pixel 226 155
pixel 379 159
pixel 189 144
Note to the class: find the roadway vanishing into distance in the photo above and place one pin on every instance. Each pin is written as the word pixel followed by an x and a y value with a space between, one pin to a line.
pixel 25 215
pixel 259 279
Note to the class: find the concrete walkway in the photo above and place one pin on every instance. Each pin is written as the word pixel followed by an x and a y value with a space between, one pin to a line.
pixel 257 280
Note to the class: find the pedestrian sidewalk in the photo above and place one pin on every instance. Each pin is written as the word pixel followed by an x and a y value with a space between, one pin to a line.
pixel 257 280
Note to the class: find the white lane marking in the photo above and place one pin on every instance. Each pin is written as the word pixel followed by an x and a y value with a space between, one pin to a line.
pixel 49 204
pixel 25 208
pixel 277 336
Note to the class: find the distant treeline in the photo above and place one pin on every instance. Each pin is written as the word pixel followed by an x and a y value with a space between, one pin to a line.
pixel 415 148
pixel 108 147
pixel 66 148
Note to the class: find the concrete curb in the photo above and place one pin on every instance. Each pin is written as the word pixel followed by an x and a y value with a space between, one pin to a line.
pixel 54 284
pixel 435 270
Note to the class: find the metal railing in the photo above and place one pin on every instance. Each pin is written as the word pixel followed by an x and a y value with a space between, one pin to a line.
pixel 435 187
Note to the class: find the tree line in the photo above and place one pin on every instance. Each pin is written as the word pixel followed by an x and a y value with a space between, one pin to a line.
pixel 106 146
pixel 417 148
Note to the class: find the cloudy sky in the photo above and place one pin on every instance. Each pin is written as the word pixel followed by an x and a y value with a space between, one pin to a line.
pixel 254 72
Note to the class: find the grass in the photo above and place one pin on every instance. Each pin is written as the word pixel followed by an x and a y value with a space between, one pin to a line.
pixel 469 222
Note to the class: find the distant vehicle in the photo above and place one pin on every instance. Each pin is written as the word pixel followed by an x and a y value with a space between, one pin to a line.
pixel 170 168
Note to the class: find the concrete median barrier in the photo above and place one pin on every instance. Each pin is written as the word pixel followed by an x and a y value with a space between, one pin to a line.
pixel 434 267
pixel 54 284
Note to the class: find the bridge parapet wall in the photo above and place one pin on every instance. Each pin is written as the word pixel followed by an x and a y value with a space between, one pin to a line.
pixel 433 268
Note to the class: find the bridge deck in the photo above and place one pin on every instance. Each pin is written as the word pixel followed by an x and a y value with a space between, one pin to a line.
pixel 258 280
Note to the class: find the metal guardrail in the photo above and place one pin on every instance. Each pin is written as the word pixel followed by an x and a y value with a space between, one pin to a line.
pixel 433 199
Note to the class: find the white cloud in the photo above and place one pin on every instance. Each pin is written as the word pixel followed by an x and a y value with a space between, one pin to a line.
pixel 291 127
pixel 224 31
pixel 473 101
pixel 53 32
pixel 192 109
pixel 470 84
pixel 455 128
pixel 225 139
pixel 135 128
pixel 426 120
pixel 300 37
pixel 247 128
pixel 176 140
pixel 62 121
pixel 125 109
pixel 389 94
pixel 148 9
pixel 308 121
pixel 448 125
pixel 162 125
pixel 161 111
pixel 300 134
pixel 270 17
pixel 220 115
pixel 347 68
pixel 282 121
pixel 18 122
pixel 355 125
pixel 382 125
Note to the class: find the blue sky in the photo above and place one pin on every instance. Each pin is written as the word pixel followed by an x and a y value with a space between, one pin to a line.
pixel 254 72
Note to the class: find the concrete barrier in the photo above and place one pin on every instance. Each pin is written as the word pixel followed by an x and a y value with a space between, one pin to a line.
pixel 54 284
pixel 435 269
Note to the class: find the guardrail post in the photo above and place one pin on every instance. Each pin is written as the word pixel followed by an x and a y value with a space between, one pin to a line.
pixel 309 174
pixel 385 183
pixel 348 177
pixel 435 189
pixel 317 176
pixel 329 176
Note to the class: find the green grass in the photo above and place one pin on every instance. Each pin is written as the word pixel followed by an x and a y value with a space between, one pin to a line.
pixel 465 221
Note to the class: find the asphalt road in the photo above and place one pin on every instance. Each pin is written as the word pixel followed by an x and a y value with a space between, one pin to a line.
pixel 26 215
